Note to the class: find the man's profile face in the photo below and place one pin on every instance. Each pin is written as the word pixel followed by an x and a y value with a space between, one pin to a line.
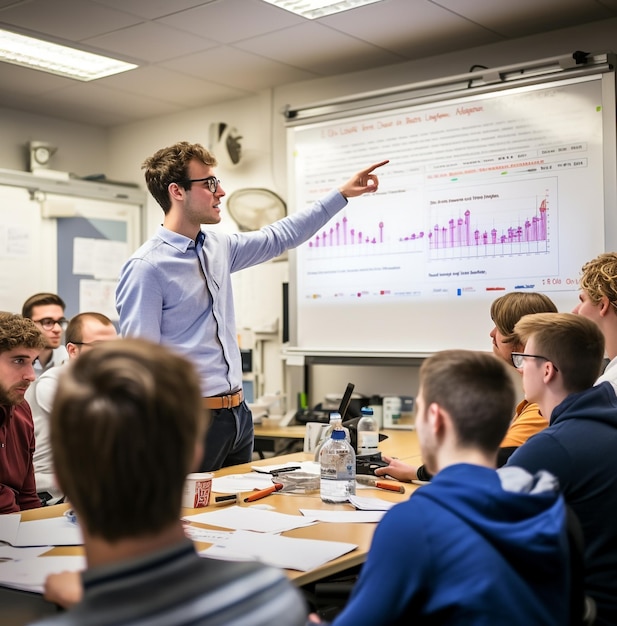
pixel 53 312
pixel 502 349
pixel 587 308
pixel 93 333
pixel 201 206
pixel 533 373
pixel 16 374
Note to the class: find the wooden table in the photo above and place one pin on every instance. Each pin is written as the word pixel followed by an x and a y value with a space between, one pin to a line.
pixel 402 444
pixel 357 533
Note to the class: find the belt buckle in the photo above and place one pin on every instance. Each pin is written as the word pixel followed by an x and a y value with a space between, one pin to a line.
pixel 226 402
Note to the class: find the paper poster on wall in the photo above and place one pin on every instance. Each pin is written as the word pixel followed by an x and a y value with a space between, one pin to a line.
pixel 99 296
pixel 15 241
pixel 99 257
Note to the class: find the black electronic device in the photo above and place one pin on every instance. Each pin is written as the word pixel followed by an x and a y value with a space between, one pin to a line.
pixel 318 414
pixel 368 463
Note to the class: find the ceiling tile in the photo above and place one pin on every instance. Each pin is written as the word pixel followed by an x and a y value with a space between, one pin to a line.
pixel 526 17
pixel 228 21
pixel 151 9
pixel 151 42
pixel 71 20
pixel 416 28
pixel 316 48
pixel 175 87
pixel 25 81
pixel 236 68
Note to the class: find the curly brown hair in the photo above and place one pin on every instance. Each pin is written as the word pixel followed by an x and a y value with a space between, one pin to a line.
pixel 17 331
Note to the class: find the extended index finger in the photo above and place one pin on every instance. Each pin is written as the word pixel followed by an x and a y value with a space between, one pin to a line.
pixel 373 167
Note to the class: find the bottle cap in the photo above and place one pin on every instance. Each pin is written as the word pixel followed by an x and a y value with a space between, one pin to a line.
pixel 338 434
pixel 367 410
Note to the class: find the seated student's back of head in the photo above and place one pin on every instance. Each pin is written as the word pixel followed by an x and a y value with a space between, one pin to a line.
pixel 125 430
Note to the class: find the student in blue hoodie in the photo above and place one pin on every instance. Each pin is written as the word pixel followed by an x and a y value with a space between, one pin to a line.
pixel 473 546
pixel 560 364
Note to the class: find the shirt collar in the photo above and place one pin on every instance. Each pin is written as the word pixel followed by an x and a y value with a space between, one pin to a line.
pixel 178 241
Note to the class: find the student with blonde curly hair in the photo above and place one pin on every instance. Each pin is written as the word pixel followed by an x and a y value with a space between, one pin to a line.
pixel 598 302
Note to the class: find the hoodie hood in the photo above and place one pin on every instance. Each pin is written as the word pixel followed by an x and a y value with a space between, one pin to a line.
pixel 598 404
pixel 521 515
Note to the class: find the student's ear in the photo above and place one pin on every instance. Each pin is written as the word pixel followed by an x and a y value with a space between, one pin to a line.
pixel 175 191
pixel 605 306
pixel 550 371
pixel 435 418
pixel 72 350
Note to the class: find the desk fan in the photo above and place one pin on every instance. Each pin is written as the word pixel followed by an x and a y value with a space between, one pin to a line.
pixel 253 208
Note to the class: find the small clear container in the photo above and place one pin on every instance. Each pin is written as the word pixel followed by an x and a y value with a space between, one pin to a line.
pixel 298 482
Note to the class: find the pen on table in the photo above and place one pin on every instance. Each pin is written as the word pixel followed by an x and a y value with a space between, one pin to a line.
pixel 282 470
pixel 262 493
pixel 225 500
pixel 279 470
pixel 379 484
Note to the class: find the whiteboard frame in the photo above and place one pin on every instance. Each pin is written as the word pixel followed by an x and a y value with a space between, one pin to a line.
pixel 540 72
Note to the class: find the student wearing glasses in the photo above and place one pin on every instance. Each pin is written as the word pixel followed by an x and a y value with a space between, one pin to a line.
pixel 506 311
pixel 46 310
pixel 176 289
pixel 84 331
pixel 560 363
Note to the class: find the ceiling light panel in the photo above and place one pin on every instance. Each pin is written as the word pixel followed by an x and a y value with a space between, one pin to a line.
pixel 312 9
pixel 57 59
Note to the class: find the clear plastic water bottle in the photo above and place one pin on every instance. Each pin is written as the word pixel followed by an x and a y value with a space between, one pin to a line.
pixel 338 468
pixel 368 432
pixel 336 423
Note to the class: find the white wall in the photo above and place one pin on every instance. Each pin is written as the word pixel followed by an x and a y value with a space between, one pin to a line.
pixel 119 153
pixel 82 149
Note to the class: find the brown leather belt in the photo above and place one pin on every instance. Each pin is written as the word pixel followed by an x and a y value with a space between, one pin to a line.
pixel 224 402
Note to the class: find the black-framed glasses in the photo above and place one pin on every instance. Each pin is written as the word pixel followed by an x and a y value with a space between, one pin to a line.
pixel 212 181
pixel 49 322
pixel 87 343
pixel 518 358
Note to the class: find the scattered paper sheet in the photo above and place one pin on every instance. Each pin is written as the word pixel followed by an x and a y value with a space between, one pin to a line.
pixel 311 467
pixel 206 535
pixel 284 552
pixel 250 518
pixel 55 531
pixel 9 553
pixel 345 517
pixel 9 525
pixel 30 574
pixel 370 504
pixel 235 483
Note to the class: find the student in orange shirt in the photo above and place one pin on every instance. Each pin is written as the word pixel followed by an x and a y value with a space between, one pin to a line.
pixel 506 311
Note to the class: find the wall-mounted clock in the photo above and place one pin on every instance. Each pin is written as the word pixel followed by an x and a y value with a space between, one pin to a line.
pixel 40 155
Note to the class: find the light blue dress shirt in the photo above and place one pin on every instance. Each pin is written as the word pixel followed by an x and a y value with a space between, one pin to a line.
pixel 169 294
